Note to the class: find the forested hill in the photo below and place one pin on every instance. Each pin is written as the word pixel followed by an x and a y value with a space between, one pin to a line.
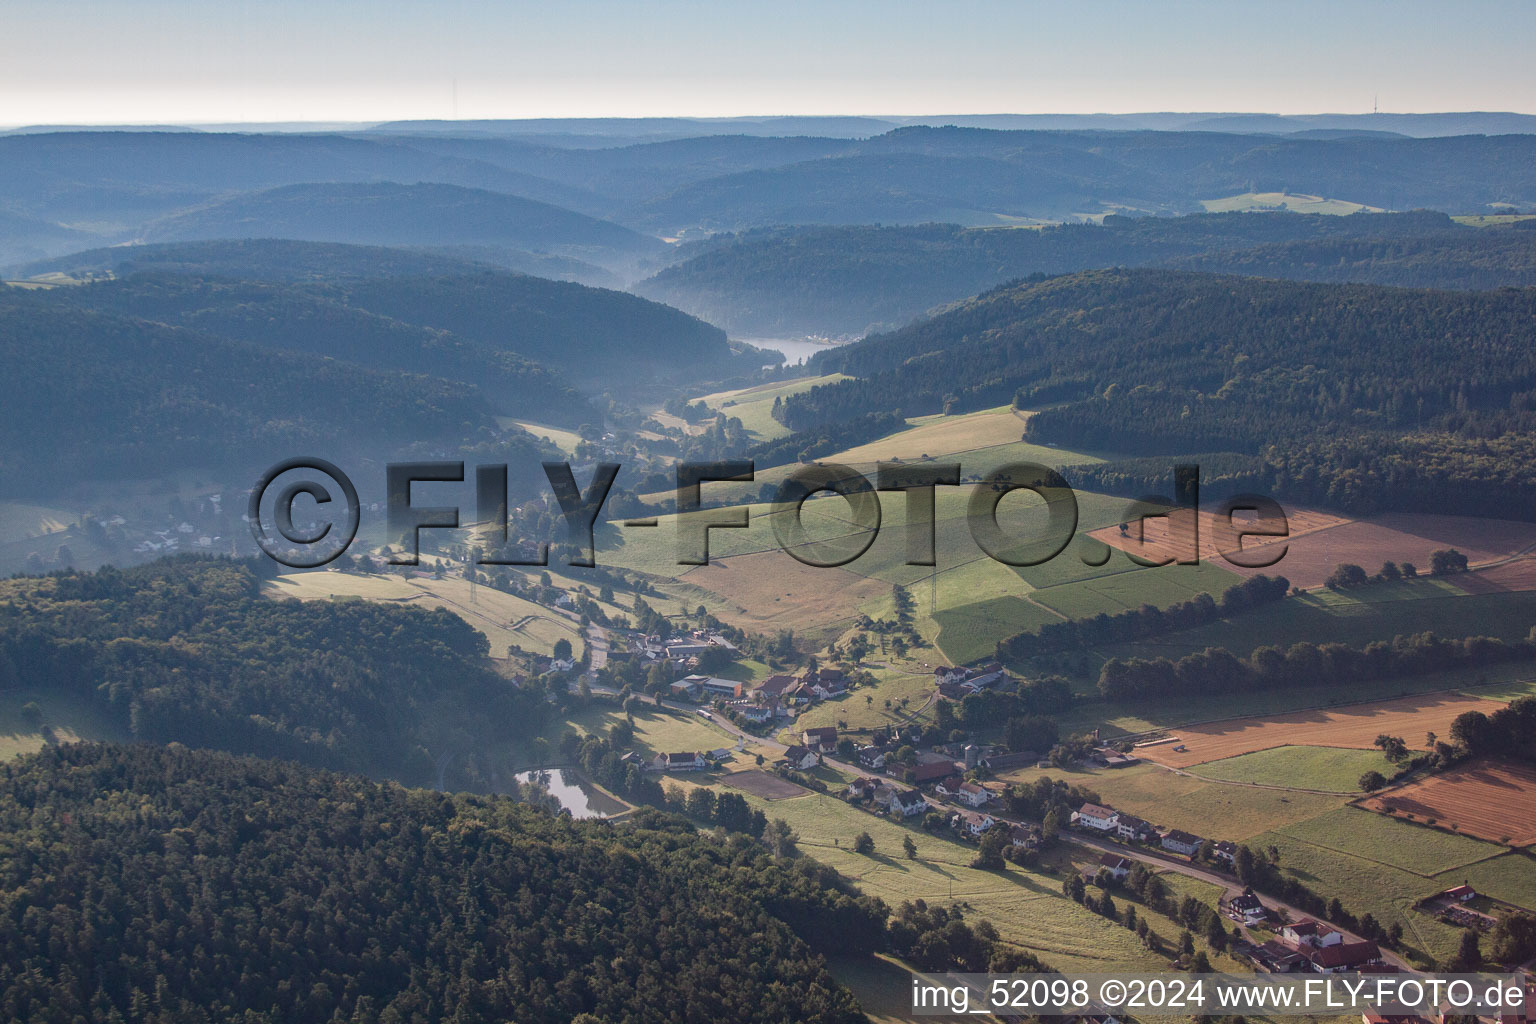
pixel 386 213
pixel 186 649
pixel 100 396
pixel 1148 362
pixel 166 885
pixel 420 313
pixel 853 279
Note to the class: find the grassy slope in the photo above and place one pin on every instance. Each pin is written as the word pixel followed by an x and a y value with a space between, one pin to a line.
pixel 1332 769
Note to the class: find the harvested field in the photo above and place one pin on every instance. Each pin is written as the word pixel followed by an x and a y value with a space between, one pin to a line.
pixel 770 590
pixel 1320 541
pixel 1355 726
pixel 761 783
pixel 1488 799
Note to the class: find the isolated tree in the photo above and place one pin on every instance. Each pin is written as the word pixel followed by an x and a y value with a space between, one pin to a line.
pixel 1447 560
pixel 864 843
pixel 1371 781
pixel 909 847
pixel 32 714
pixel 562 649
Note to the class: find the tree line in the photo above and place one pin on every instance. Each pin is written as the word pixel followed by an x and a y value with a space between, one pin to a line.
pixel 1303 664
pixel 1146 621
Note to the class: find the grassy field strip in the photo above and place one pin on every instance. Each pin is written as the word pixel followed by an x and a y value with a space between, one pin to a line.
pixel 1415 849
pixel 1314 769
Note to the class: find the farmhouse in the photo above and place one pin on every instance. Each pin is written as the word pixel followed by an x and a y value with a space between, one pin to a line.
pixel 1341 956
pixel 683 762
pixel 930 771
pixel 801 758
pixel 1307 932
pixel 1095 817
pixel 862 788
pixel 1276 957
pixel 824 738
pixel 1461 893
pixel 751 712
pixel 775 686
pixel 1180 842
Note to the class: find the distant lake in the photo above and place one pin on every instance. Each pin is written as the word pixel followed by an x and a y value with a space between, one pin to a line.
pixel 796 350
pixel 575 793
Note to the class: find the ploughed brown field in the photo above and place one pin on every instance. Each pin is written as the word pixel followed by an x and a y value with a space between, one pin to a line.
pixel 1488 799
pixel 1355 726
pixel 761 783
pixel 1321 541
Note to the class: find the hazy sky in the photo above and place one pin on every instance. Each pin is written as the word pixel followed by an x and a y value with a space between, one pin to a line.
pixel 228 60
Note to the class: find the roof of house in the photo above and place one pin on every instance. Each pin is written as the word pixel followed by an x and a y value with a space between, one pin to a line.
pixel 908 797
pixel 797 752
pixel 931 771
pixel 1095 811
pixel 1131 821
pixel 972 788
pixel 825 732
pixel 685 757
pixel 1182 837
pixel 777 684
pixel 1307 926
pixel 1460 891
pixel 1247 901
pixel 1114 862
pixel 1344 954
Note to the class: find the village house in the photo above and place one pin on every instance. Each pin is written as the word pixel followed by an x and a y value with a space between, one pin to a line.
pixel 1103 819
pixel 948 674
pixel 1461 893
pixel 756 713
pixel 953 691
pixel 862 788
pixel 1137 830
pixel 685 688
pixel 972 823
pixel 717 687
pixel 822 738
pixel 1307 932
pixel 1117 866
pixel 801 758
pixel 1024 837
pixel 1180 842
pixel 1225 852
pixel 905 803
pixel 973 795
pixel 1246 908
pixel 1341 956
pixel 871 757
pixel 680 762
pixel 949 787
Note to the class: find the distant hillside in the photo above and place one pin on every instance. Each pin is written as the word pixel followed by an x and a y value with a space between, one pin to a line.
pixel 850 280
pixel 385 213
pixel 110 397
pixel 1156 362
pixel 315 320
pixel 1463 259
pixel 28 238
pixel 598 338
pixel 156 884
pixel 289 260
pixel 524 341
